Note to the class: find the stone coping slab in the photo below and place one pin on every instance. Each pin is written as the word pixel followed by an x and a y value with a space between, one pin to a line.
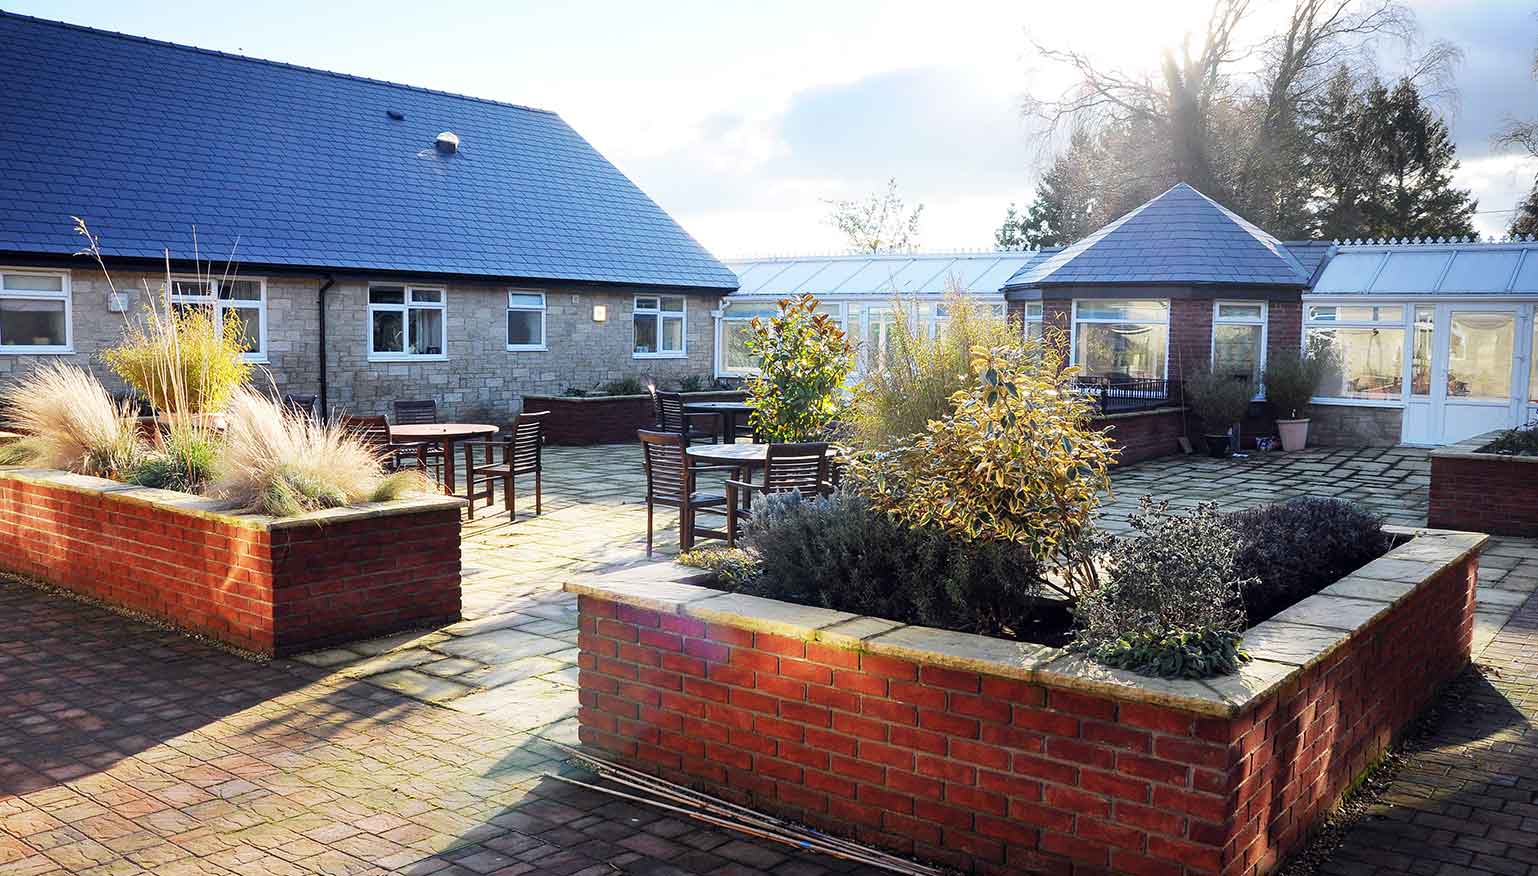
pixel 214 509
pixel 1472 448
pixel 1282 647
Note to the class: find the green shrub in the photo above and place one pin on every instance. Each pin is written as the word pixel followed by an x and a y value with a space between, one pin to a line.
pixel 1014 461
pixel 624 386
pixel 695 383
pixel 175 358
pixel 1169 604
pixel 1292 379
pixel 803 359
pixel 1515 442
pixel 1218 399
pixel 186 459
pixel 1291 550
pixel 837 552
pixel 914 382
pixel 733 568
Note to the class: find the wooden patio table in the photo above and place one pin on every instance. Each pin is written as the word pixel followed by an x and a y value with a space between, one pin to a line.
pixel 729 411
pixel 446 434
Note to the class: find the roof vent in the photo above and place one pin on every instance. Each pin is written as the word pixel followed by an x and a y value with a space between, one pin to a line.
pixel 447 142
pixel 397 115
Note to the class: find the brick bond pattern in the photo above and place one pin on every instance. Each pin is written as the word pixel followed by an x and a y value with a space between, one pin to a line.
pixel 994 775
pixel 273 591
pixel 1495 495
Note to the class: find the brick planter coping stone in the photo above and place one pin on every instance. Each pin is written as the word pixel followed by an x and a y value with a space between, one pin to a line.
pixel 1153 776
pixel 273 585
pixel 1485 492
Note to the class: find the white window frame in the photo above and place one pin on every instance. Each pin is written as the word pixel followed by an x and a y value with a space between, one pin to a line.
pixel 404 309
pixel 65 294
pixel 219 305
pixel 1406 323
pixel 1263 322
pixel 1075 320
pixel 1038 318
pixel 659 314
pixel 544 320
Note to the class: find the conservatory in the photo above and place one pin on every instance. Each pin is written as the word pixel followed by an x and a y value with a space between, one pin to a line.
pixel 1440 336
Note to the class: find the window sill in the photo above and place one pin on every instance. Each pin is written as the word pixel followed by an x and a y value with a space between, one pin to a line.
pixel 541 348
pixel 36 351
pixel 408 359
pixel 659 355
pixel 1359 402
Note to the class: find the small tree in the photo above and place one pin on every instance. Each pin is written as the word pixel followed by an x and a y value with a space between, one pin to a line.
pixel 880 223
pixel 803 359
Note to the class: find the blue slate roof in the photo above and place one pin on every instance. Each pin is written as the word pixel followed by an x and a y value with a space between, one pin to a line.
pixel 289 166
pixel 1182 237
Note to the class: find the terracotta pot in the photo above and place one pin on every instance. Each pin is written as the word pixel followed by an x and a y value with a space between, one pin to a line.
pixel 1294 434
pixel 1217 446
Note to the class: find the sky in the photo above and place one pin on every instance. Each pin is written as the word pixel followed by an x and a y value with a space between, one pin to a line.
pixel 743 119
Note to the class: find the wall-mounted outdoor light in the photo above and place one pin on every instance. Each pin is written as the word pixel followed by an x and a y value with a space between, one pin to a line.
pixel 600 313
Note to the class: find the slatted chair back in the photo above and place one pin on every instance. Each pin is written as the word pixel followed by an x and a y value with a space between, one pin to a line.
pixel 670 413
pixel 416 412
pixel 801 467
pixel 524 444
pixel 373 431
pixel 667 465
pixel 302 404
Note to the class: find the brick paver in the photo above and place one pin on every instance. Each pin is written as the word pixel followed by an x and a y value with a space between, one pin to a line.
pixel 125 749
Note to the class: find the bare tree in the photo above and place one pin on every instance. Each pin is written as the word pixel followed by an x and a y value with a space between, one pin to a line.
pixel 879 223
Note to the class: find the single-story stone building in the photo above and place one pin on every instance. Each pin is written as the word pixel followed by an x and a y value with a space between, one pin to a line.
pixel 1436 339
pixel 377 241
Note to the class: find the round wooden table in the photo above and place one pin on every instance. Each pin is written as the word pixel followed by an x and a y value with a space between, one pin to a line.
pixel 447 435
pixel 729 411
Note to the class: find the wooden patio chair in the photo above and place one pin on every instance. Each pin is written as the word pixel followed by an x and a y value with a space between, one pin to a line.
pixel 301 404
pixel 424 454
pixel 787 468
pixel 520 454
pixel 375 433
pixel 670 481
pixel 672 418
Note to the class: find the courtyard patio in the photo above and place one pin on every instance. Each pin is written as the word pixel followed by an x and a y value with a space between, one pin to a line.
pixel 129 749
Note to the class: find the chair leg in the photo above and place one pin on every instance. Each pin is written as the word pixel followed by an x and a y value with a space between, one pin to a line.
pixel 538 490
pixel 731 516
pixel 685 528
pixel 510 494
pixel 648 527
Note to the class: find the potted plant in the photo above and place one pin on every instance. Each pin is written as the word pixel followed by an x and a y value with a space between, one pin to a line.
pixel 1220 400
pixel 1292 378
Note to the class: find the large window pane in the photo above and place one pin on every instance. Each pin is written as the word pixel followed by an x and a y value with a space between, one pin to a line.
pixel 1368 362
pixel 735 334
pixel 1236 352
pixel 525 328
pixel 31 323
pixel 250 321
pixel 1121 351
pixel 672 334
pixel 645 333
pixel 1479 355
pixel 389 332
pixel 426 332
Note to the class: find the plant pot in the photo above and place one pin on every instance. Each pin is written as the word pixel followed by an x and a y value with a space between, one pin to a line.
pixel 1294 434
pixel 1217 446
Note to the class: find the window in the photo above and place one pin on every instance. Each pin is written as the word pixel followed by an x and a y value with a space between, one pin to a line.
pixel 1366 342
pixel 1032 320
pixel 34 312
pixel 1121 339
pixel 1239 340
pixel 1420 351
pixel 659 326
pixel 243 300
pixel 405 322
pixel 525 320
pixel 1479 355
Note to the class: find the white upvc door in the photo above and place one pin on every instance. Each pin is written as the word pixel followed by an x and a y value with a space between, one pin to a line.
pixel 1468 370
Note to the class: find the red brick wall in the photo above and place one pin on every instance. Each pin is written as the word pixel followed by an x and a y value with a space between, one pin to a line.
pixel 993 775
pixel 1494 495
pixel 1284 327
pixel 586 421
pixel 275 591
pixel 1145 436
pixel 1190 336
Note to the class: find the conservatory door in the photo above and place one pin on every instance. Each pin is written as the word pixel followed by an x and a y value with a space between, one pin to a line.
pixel 1464 378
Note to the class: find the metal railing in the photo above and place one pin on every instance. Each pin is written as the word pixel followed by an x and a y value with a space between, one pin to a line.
pixel 1120 395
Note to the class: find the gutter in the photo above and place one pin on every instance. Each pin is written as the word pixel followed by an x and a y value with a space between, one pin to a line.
pixel 320 302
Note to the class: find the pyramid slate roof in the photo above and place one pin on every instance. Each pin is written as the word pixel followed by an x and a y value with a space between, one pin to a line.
pixel 1181 237
pixel 282 165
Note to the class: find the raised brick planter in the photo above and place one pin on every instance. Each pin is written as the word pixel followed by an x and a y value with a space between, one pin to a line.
pixel 1483 492
pixel 610 419
pixel 1141 435
pixel 1002 757
pixel 274 586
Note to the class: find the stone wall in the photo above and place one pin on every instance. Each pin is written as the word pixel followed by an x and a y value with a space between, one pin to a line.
pixel 478 380
pixel 998 757
pixel 271 586
pixel 1354 426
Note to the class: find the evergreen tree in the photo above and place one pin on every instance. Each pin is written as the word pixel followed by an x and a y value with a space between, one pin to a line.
pixel 1412 160
pixel 1335 161
pixel 1064 207
pixel 1526 220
